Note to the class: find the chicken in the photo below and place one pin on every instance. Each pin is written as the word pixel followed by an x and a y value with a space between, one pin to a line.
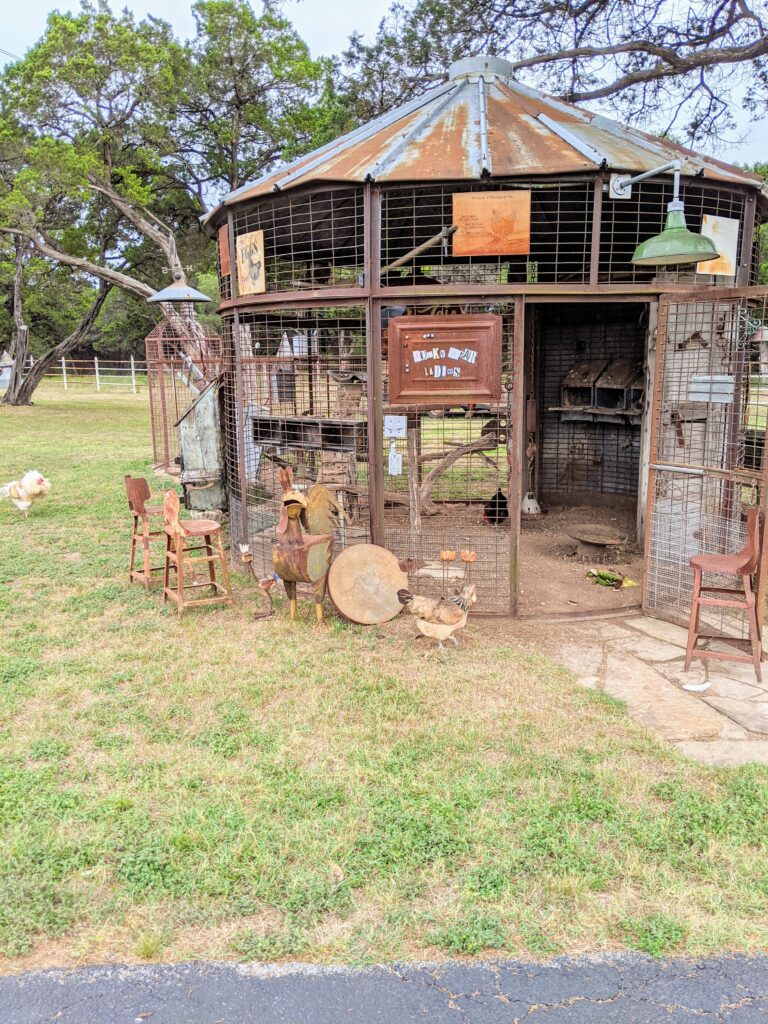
pixel 439 618
pixel 496 511
pixel 265 582
pixel 23 493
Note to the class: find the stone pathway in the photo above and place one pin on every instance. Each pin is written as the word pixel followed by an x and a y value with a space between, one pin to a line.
pixel 640 660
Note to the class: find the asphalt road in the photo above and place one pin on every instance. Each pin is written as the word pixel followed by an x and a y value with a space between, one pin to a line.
pixel 592 990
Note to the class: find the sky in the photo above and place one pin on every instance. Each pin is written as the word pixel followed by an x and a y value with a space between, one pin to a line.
pixel 324 24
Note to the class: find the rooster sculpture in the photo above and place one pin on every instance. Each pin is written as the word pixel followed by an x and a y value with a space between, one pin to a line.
pixel 440 618
pixel 23 493
pixel 301 557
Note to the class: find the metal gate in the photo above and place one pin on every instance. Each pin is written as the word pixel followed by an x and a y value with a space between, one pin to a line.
pixel 707 463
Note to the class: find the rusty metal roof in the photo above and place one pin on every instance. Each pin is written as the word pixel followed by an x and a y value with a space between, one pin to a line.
pixel 482 122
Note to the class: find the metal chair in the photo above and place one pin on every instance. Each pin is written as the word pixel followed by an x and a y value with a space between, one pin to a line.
pixel 137 490
pixel 742 564
pixel 181 559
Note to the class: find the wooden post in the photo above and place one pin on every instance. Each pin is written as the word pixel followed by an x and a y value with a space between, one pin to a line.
pixel 96 367
pixel 64 372
pixel 747 240
pixel 133 376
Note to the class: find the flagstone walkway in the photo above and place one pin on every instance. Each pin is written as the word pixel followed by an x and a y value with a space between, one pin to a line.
pixel 639 660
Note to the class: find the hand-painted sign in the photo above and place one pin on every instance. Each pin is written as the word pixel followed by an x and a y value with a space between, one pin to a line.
pixel 492 223
pixel 251 277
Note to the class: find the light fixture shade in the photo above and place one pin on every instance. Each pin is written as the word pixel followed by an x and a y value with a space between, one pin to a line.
pixel 676 244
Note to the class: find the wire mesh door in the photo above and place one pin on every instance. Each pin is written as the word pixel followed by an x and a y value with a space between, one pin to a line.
pixel 708 467
pixel 451 483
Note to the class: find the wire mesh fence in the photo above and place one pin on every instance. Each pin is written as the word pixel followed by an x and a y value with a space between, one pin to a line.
pixel 297 395
pixel 708 468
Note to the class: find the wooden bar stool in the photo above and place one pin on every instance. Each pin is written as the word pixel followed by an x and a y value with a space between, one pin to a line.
pixel 743 564
pixel 139 494
pixel 181 559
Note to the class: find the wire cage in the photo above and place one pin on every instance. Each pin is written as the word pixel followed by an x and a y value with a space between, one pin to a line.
pixel 183 355
pixel 307 366
pixel 708 448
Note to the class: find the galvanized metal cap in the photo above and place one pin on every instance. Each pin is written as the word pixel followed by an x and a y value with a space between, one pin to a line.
pixel 486 66
pixel 178 292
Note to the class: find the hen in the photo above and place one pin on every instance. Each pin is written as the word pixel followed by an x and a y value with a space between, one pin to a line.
pixel 439 618
pixel 23 493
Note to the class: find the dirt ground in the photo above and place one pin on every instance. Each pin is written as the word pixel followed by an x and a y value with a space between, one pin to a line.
pixel 553 579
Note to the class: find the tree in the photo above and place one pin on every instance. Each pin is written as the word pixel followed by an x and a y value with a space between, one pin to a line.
pixel 656 63
pixel 250 93
pixel 116 133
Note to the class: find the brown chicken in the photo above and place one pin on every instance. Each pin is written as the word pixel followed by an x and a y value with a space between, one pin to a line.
pixel 440 618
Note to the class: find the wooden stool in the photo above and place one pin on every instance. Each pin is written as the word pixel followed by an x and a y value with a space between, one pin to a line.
pixel 743 564
pixel 138 493
pixel 182 559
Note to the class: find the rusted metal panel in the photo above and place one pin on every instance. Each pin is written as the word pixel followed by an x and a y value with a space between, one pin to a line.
pixel 444 358
pixel 476 123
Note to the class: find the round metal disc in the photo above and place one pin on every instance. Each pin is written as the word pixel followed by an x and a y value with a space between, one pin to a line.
pixel 594 533
pixel 363 584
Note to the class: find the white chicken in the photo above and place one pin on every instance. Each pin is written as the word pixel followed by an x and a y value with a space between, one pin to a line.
pixel 23 493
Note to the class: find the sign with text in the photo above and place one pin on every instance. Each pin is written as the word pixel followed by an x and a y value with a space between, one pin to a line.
pixel 443 360
pixel 492 223
pixel 251 276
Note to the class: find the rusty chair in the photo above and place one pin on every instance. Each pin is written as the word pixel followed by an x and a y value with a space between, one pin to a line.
pixel 742 564
pixel 181 559
pixel 137 490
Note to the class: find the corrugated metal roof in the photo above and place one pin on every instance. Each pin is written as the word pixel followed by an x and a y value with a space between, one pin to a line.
pixel 481 122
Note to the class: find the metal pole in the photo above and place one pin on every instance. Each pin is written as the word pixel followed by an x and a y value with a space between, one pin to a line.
pixel 372 270
pixel 515 446
pixel 133 376
pixel 235 353
pixel 64 372
pixel 96 366
pixel 597 217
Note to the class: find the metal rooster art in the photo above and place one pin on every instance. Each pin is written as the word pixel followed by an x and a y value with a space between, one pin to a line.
pixel 305 557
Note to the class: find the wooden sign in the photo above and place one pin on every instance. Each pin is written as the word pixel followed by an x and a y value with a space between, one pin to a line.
pixel 224 265
pixel 251 276
pixel 445 360
pixel 492 223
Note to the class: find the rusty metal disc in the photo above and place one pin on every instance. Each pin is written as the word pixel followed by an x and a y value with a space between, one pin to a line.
pixel 363 584
pixel 595 533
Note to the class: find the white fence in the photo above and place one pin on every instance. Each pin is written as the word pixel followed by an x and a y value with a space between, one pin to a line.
pixel 98 375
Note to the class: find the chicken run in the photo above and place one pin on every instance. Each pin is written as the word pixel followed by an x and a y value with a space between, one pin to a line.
pixel 441 320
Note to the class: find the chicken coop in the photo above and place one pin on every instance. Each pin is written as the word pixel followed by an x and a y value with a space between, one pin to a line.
pixel 448 317
pixel 183 358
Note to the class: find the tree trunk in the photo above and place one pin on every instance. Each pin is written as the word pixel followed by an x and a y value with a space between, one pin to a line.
pixel 20 344
pixel 22 394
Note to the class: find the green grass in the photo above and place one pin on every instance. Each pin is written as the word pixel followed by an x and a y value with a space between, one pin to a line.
pixel 217 787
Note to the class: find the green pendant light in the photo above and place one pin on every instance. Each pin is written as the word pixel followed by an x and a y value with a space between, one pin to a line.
pixel 676 244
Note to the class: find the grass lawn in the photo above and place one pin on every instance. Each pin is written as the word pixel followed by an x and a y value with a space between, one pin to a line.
pixel 219 787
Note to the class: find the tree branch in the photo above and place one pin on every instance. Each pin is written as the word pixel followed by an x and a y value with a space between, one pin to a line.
pixel 112 277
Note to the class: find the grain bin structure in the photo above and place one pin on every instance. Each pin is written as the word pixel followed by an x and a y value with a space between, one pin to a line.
pixel 401 310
